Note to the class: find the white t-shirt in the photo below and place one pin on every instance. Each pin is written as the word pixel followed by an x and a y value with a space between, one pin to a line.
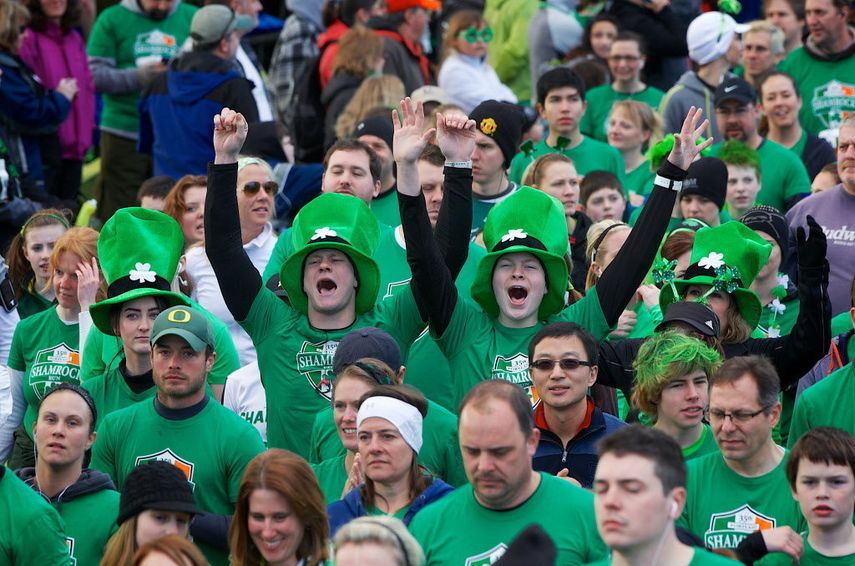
pixel 245 396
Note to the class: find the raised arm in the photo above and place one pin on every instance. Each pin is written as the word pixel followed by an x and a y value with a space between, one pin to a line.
pixel 239 281
pixel 626 272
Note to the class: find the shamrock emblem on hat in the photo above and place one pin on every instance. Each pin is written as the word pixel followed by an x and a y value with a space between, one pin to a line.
pixel 513 234
pixel 712 261
pixel 323 233
pixel 142 272
pixel 488 126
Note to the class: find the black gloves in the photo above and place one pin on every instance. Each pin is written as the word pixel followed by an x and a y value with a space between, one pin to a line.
pixel 811 250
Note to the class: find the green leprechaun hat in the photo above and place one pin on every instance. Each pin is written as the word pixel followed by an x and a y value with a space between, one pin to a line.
pixel 340 222
pixel 139 250
pixel 727 257
pixel 529 221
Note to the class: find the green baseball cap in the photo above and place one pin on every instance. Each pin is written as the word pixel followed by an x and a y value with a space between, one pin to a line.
pixel 184 322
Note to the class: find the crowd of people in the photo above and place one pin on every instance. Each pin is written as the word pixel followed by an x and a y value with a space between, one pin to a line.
pixel 427 282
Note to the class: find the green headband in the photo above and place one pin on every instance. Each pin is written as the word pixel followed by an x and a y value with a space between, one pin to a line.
pixel 62 220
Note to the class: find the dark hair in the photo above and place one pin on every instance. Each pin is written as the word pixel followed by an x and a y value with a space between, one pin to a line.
pixel 371 371
pixel 566 330
pixel 20 269
pixel 677 243
pixel 506 391
pixel 558 77
pixel 798 7
pixel 652 444
pixel 825 444
pixel 351 144
pixel 155 187
pixel 38 20
pixel 632 36
pixel 75 388
pixel 116 311
pixel 433 155
pixel 759 369
pixel 589 28
pixel 458 22
pixel 419 481
pixel 596 180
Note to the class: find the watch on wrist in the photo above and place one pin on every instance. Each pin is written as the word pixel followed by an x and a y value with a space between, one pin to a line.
pixel 459 164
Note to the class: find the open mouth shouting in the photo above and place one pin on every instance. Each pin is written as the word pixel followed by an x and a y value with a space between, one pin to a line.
pixel 517 295
pixel 326 287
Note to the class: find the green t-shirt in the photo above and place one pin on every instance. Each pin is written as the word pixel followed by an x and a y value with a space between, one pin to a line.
pixel 212 448
pixel 459 530
pixel 123 36
pixel 332 475
pixel 90 521
pixel 810 558
pixel 827 89
pixel 482 205
pixel 385 208
pixel 440 452
pixel 32 302
pixel 110 392
pixel 102 352
pixel 589 155
pixel 723 507
pixel 31 531
pixel 600 100
pixel 782 174
pixel 841 323
pixel 639 180
pixel 786 313
pixel 295 359
pixel 701 558
pixel 828 402
pixel 47 350
pixel 478 347
pixel 705 444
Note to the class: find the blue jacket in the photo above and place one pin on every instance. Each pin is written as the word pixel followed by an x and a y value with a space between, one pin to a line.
pixel 177 110
pixel 580 454
pixel 345 510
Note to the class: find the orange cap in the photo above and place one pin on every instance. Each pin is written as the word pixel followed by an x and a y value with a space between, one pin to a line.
pixel 401 5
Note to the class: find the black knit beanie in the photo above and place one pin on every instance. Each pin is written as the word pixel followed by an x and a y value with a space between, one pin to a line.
pixel 503 122
pixel 707 177
pixel 156 485
pixel 769 220
pixel 531 546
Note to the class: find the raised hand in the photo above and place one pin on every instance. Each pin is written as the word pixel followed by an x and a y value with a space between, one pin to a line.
pixel 88 283
pixel 409 140
pixel 455 136
pixel 685 147
pixel 230 129
pixel 811 246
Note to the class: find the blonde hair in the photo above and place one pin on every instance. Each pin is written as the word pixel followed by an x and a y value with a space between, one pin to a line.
pixel 643 116
pixel 13 16
pixel 383 91
pixel 388 532
pixel 595 245
pixel 178 549
pixel 533 176
pixel 359 50
pixel 122 546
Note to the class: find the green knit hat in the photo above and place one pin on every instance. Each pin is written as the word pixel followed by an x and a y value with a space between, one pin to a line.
pixel 340 222
pixel 139 250
pixel 728 257
pixel 529 221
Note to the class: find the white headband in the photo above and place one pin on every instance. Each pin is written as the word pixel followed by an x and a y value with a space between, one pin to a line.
pixel 406 418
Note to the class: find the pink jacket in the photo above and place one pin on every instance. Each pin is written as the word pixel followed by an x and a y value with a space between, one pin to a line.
pixel 54 56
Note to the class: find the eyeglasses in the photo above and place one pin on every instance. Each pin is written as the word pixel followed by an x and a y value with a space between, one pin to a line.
pixel 252 187
pixel 739 111
pixel 565 364
pixel 473 34
pixel 736 417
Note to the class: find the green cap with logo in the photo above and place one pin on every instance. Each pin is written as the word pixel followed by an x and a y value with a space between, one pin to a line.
pixel 138 251
pixel 184 322
pixel 528 221
pixel 339 222
pixel 728 258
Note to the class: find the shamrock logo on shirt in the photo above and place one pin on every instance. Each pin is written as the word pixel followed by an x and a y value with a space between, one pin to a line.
pixel 712 261
pixel 513 234
pixel 323 233
pixel 142 272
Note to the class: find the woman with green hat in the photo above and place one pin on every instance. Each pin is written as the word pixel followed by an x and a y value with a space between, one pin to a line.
pixel 138 289
pixel 521 281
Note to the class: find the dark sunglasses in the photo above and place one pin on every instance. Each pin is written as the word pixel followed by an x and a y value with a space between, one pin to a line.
pixel 565 363
pixel 252 187
pixel 473 34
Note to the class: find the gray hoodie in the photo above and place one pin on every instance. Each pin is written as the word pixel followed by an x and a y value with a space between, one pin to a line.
pixel 689 91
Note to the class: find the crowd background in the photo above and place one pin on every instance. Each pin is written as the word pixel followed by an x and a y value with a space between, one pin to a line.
pixel 281 279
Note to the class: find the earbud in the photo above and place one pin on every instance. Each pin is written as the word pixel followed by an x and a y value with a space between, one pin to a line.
pixel 673 509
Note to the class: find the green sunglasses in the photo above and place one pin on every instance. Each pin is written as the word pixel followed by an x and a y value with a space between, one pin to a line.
pixel 473 34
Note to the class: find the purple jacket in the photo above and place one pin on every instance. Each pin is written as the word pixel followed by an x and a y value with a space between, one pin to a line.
pixel 54 56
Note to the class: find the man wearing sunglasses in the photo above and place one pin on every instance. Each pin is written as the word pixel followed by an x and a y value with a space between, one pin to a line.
pixel 175 110
pixel 743 488
pixel 563 366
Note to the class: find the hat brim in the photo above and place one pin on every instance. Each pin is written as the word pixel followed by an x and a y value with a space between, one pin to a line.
pixel 556 281
pixel 100 311
pixel 179 506
pixel 747 301
pixel 366 271
pixel 195 342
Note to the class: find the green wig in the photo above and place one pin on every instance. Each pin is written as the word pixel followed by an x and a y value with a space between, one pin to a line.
pixel 739 153
pixel 664 357
pixel 660 150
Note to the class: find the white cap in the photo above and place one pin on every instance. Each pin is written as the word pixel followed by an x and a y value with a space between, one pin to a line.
pixel 406 418
pixel 709 36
